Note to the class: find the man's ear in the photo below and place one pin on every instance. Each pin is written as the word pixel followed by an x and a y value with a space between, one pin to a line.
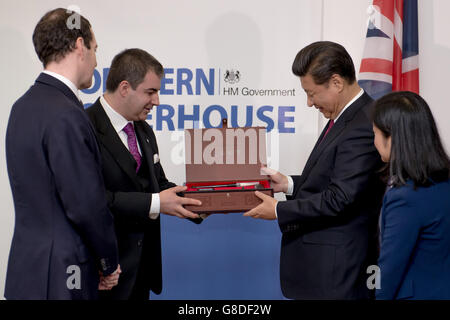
pixel 337 81
pixel 79 46
pixel 124 87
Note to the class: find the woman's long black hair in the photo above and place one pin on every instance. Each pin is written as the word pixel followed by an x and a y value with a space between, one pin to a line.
pixel 417 152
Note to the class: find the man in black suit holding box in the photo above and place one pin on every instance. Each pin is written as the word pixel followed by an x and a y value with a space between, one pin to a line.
pixel 137 188
pixel 329 220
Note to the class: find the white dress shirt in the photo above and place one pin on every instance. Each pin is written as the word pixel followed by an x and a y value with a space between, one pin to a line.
pixel 290 188
pixel 66 81
pixel 119 122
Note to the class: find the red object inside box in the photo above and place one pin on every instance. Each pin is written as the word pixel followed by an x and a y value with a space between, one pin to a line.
pixel 191 185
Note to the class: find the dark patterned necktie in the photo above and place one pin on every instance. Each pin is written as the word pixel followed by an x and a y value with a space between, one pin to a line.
pixel 132 144
pixel 330 125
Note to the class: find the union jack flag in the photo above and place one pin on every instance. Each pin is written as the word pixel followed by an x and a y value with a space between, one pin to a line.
pixel 391 54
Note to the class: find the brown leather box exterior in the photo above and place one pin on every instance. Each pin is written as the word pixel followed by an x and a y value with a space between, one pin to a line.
pixel 222 201
pixel 220 156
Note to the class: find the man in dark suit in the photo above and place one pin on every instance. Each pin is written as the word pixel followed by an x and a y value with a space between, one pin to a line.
pixel 329 221
pixel 137 188
pixel 64 233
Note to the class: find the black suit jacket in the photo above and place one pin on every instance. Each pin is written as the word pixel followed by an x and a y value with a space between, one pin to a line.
pixel 329 224
pixel 138 236
pixel 62 224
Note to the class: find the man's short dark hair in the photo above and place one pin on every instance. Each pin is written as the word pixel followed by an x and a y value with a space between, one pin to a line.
pixel 52 37
pixel 132 65
pixel 321 60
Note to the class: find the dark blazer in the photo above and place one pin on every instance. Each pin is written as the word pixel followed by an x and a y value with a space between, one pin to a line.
pixel 129 198
pixel 329 223
pixel 415 243
pixel 62 221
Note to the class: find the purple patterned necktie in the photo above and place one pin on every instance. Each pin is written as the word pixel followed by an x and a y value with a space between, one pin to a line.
pixel 132 144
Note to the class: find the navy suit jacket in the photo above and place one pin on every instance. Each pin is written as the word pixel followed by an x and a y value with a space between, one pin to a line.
pixel 415 243
pixel 329 224
pixel 138 236
pixel 64 231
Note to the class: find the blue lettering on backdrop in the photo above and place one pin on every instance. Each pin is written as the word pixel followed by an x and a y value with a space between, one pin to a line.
pixel 182 117
pixel 165 81
pixel 160 117
pixel 282 119
pixel 183 80
pixel 264 118
pixel 234 117
pixel 97 82
pixel 201 77
pixel 166 113
pixel 207 112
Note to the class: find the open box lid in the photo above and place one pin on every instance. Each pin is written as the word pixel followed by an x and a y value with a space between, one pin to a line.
pixel 225 154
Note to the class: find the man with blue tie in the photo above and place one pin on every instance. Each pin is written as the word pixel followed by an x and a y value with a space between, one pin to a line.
pixel 64 244
pixel 329 221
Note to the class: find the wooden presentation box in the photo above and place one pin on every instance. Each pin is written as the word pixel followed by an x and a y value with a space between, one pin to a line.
pixel 223 168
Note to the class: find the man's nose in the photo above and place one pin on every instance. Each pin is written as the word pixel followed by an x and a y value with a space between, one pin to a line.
pixel 155 99
pixel 309 102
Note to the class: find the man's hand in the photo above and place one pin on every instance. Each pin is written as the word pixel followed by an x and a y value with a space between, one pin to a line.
pixel 172 204
pixel 266 210
pixel 278 181
pixel 108 282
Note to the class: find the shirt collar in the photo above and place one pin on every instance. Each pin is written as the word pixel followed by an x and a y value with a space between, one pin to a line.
pixel 117 120
pixel 360 93
pixel 64 80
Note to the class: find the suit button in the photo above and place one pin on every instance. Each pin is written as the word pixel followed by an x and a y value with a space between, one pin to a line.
pixel 139 243
pixel 104 264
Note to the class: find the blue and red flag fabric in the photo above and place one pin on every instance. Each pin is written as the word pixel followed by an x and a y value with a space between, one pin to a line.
pixel 391 54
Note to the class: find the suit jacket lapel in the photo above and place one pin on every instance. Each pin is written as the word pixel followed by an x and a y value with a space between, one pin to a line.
pixel 321 145
pixel 334 132
pixel 148 152
pixel 109 138
pixel 52 81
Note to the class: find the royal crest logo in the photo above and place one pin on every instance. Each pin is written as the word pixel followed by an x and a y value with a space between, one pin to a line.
pixel 232 76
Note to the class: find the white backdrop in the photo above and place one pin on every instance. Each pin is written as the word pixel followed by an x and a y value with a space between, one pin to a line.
pixel 253 37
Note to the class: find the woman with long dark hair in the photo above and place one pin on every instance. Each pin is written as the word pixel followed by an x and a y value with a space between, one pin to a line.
pixel 415 218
